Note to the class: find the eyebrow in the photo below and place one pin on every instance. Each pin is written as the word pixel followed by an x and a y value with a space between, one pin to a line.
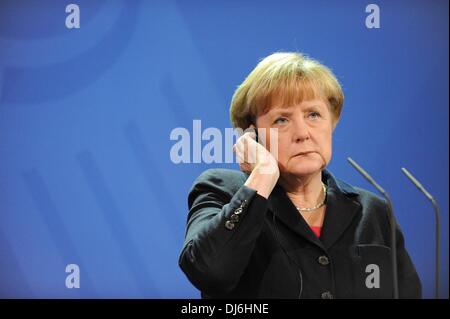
pixel 280 111
pixel 288 111
pixel 314 107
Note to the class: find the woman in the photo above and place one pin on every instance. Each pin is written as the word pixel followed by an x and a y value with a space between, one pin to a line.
pixel 284 226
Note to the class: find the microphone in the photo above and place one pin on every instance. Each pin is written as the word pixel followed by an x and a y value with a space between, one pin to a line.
pixel 438 225
pixel 391 221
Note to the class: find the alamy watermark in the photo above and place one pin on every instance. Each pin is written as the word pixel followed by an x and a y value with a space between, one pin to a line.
pixel 190 147
pixel 73 17
pixel 373 277
pixel 73 277
pixel 373 19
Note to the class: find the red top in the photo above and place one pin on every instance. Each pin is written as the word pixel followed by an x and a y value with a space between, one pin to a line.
pixel 316 230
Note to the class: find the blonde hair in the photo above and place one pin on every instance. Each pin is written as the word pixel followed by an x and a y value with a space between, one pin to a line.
pixel 289 77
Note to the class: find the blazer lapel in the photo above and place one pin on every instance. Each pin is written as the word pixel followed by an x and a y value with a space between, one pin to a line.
pixel 285 211
pixel 341 209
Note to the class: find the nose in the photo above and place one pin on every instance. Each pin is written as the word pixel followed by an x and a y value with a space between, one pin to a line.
pixel 301 130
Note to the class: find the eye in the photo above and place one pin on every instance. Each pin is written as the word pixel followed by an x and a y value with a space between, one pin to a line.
pixel 314 115
pixel 280 120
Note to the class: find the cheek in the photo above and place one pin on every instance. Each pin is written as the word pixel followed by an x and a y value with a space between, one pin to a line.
pixel 326 147
pixel 274 138
pixel 277 142
pixel 284 145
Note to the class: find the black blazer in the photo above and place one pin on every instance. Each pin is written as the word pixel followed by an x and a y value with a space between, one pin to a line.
pixel 240 245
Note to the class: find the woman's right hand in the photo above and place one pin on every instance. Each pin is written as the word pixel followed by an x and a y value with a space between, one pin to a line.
pixel 256 160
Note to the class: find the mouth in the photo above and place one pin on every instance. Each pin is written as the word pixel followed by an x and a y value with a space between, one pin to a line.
pixel 302 154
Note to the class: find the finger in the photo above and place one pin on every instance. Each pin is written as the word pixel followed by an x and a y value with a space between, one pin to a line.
pixel 251 134
pixel 245 168
pixel 240 154
pixel 255 129
pixel 250 149
pixel 245 152
pixel 249 131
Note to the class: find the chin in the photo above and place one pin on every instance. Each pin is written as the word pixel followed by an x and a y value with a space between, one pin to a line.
pixel 304 165
pixel 306 169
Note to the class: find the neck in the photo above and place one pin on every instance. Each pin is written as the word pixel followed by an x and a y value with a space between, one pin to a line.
pixel 304 191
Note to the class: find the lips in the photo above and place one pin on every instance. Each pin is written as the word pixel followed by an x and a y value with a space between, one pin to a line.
pixel 302 153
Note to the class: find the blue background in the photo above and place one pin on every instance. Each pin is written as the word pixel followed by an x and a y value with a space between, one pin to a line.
pixel 86 115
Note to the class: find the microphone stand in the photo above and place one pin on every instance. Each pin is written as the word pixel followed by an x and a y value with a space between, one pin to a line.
pixel 438 225
pixel 391 221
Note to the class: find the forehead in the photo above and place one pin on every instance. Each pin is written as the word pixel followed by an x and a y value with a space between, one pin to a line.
pixel 291 93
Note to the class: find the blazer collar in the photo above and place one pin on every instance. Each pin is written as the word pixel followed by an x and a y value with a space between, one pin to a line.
pixel 342 206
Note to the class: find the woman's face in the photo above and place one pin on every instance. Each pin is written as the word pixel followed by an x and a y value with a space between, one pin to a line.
pixel 304 136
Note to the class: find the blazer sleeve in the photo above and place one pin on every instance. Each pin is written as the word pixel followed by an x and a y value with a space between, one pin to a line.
pixel 225 219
